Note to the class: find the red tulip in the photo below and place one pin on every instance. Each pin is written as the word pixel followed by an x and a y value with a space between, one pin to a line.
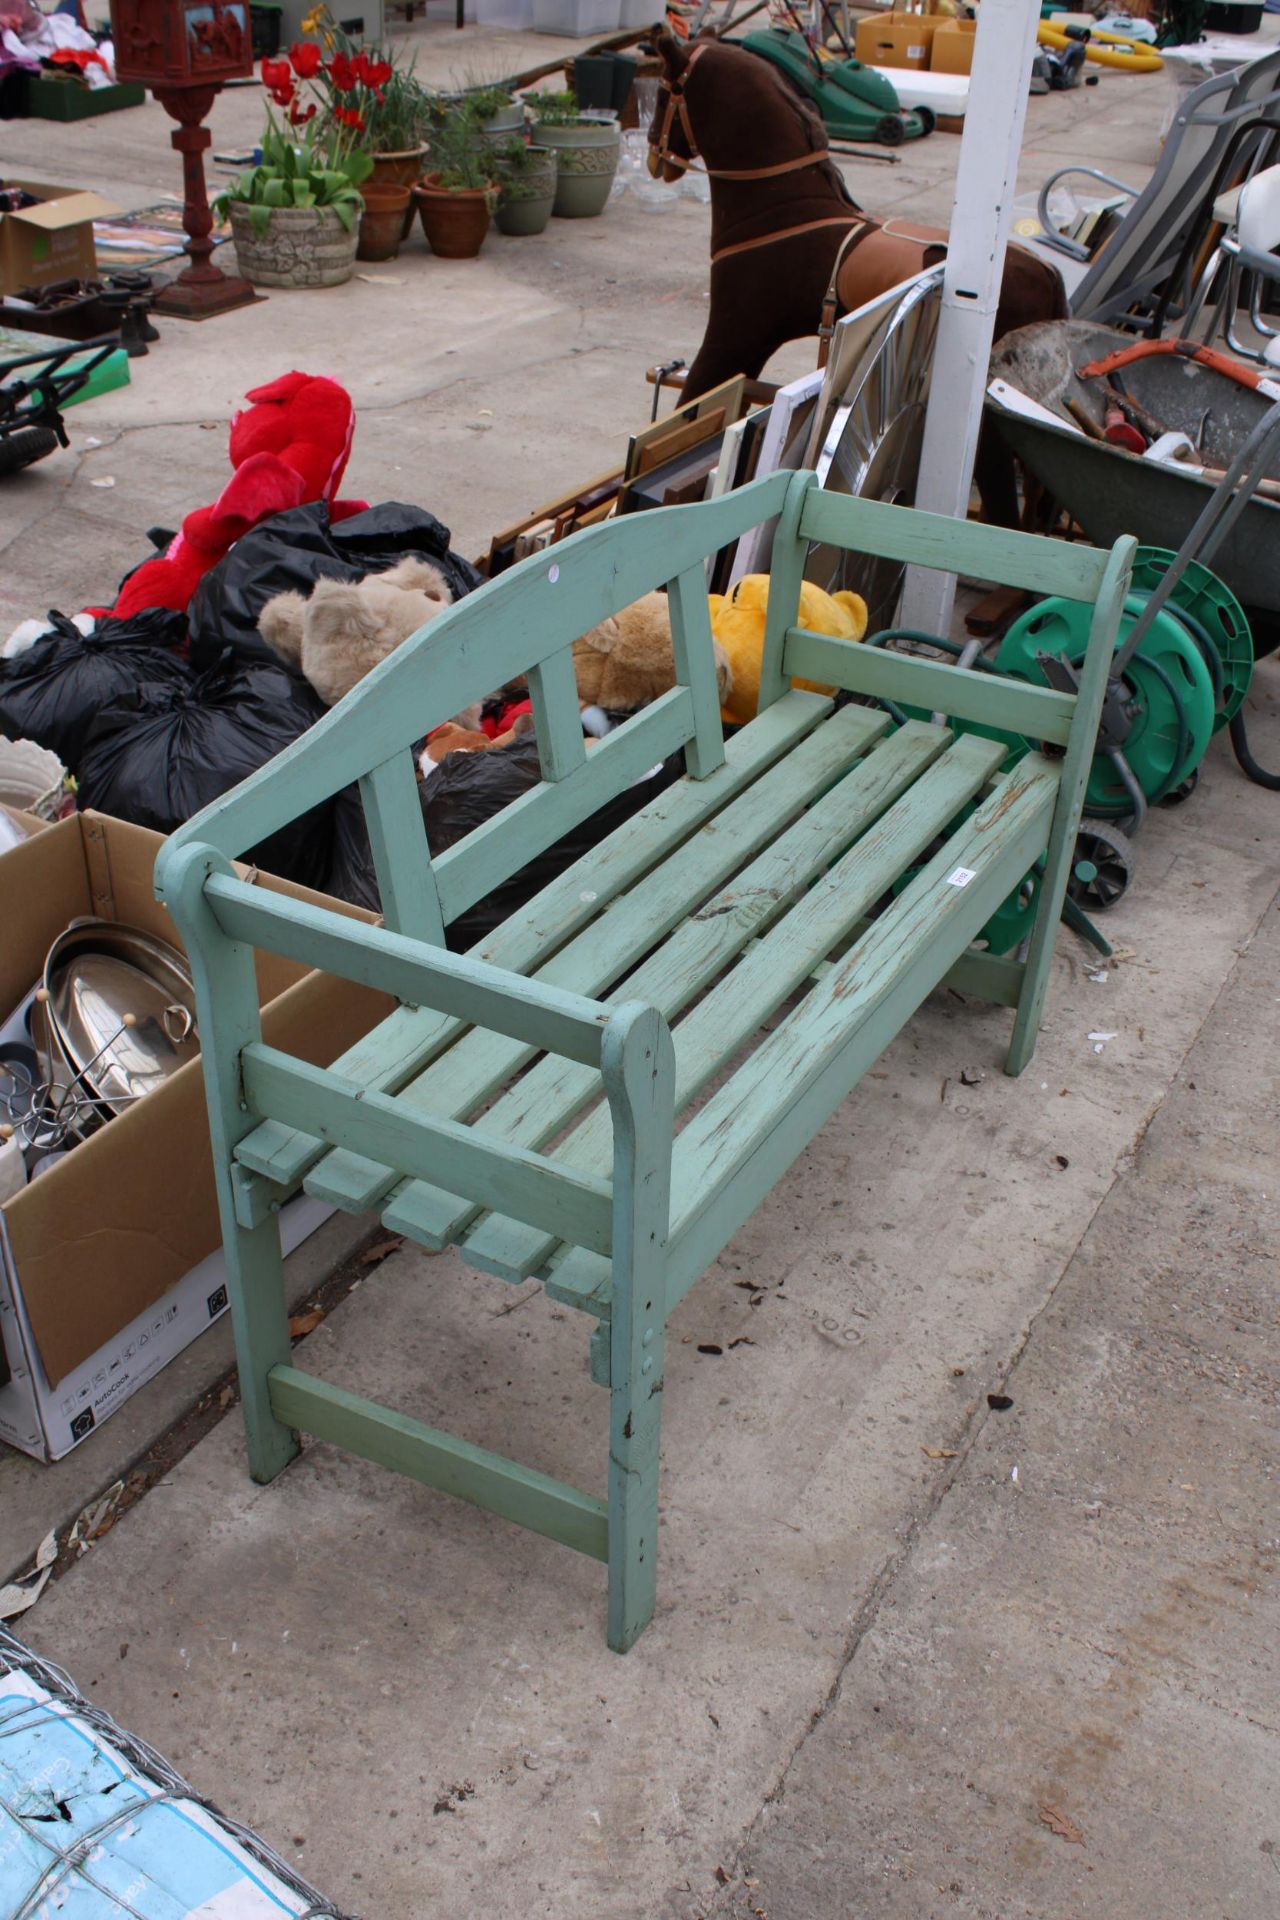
pixel 275 73
pixel 342 73
pixel 304 57
pixel 299 118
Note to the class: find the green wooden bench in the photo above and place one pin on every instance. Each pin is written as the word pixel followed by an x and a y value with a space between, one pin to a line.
pixel 758 874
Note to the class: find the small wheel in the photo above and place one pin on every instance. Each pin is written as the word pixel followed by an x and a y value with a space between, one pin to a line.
pixel 928 119
pixel 25 446
pixel 890 130
pixel 1184 791
pixel 1103 866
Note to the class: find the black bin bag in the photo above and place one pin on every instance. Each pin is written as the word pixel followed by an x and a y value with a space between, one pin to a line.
pixel 161 754
pixel 289 552
pixel 54 691
pixel 466 790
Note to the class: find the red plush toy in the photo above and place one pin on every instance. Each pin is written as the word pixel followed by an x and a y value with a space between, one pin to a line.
pixel 290 447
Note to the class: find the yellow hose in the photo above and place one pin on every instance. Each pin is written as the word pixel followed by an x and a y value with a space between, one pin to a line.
pixel 1108 49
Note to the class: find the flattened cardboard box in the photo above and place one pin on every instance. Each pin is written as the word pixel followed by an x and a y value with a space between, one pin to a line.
pixel 52 240
pixel 92 1247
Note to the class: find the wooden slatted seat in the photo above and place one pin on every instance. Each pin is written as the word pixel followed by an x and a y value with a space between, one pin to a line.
pixel 524 1099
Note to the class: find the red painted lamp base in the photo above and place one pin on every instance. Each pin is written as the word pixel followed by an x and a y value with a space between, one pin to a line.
pixel 187 298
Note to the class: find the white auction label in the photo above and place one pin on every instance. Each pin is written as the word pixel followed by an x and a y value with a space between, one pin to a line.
pixel 961 877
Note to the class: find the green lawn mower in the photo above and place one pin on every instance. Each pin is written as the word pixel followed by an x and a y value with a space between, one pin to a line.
pixel 854 102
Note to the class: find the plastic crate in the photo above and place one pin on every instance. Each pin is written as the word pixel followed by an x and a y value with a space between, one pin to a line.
pixel 72 100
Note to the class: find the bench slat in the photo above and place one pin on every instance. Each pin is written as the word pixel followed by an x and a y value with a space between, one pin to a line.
pixel 954 546
pixel 848 1020
pixel 482 1062
pixel 532 1186
pixel 492 852
pixel 746 1136
pixel 438 1459
pixel 401 1045
pixel 772 969
pixel 398 843
pixel 935 685
pixel 545 1100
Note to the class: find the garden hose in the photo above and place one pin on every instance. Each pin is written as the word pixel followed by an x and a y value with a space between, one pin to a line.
pixel 1248 765
pixel 1107 49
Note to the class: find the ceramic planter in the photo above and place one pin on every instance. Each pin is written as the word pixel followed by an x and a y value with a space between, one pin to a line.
pixel 588 159
pixel 302 247
pixel 400 169
pixel 506 124
pixel 456 220
pixel 387 213
pixel 528 197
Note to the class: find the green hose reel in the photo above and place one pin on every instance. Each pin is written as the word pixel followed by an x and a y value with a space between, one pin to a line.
pixel 1187 678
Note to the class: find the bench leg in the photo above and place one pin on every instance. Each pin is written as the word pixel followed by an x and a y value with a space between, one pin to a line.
pixel 639 1072
pixel 228 1019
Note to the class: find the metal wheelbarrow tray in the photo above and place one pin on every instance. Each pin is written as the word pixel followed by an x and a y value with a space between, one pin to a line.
pixel 1110 491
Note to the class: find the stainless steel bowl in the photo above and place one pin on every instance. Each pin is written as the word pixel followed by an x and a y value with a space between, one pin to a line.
pixel 119 1009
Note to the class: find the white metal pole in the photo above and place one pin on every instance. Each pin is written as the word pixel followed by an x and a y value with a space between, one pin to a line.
pixel 985 182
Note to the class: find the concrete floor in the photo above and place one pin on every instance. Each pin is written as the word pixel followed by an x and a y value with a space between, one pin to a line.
pixel 902 1637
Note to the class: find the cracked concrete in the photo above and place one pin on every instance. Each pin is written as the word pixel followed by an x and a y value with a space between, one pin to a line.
pixel 878 1658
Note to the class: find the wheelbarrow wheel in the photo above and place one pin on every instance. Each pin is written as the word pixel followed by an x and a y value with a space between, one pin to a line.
pixel 25 446
pixel 1103 866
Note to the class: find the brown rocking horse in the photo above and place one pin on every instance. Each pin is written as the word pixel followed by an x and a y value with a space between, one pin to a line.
pixel 787 238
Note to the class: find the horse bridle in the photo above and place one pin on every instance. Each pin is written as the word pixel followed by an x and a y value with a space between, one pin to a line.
pixel 675 108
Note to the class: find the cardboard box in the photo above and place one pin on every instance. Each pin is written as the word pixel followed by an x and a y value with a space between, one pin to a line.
pixel 896 40
pixel 52 240
pixel 110 1263
pixel 953 46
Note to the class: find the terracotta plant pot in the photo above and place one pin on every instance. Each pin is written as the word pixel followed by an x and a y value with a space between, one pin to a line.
pixel 383 222
pixel 455 220
pixel 588 156
pixel 302 247
pixel 528 197
pixel 400 169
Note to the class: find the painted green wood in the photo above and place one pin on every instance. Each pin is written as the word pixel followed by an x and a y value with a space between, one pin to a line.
pixel 750 1126
pixel 1076 763
pixel 228 1019
pixel 476 1019
pixel 553 689
pixel 492 852
pixel 935 685
pixel 691 643
pixel 987 976
pixel 742 1141
pixel 410 1037
pixel 639 1071
pixel 542 1104
pixel 495 634
pixel 456 983
pixel 954 546
pixel 786 576
pixel 481 1063
pixel 398 843
pixel 774 967
pixel 579 1207
pixel 437 1459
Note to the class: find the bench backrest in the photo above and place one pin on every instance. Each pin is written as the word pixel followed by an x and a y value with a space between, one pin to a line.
pixel 525 622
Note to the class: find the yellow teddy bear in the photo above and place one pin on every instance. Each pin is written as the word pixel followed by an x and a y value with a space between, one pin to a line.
pixel 737 623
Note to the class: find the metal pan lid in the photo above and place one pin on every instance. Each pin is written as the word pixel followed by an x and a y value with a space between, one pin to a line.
pixel 122 1004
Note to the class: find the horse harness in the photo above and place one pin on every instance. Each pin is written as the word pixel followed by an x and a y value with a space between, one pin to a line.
pixel 676 109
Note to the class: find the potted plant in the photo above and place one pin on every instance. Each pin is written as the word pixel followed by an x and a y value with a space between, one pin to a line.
pixel 587 151
pixel 495 114
pixel 295 216
pixel 526 187
pixel 456 197
pixel 369 95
